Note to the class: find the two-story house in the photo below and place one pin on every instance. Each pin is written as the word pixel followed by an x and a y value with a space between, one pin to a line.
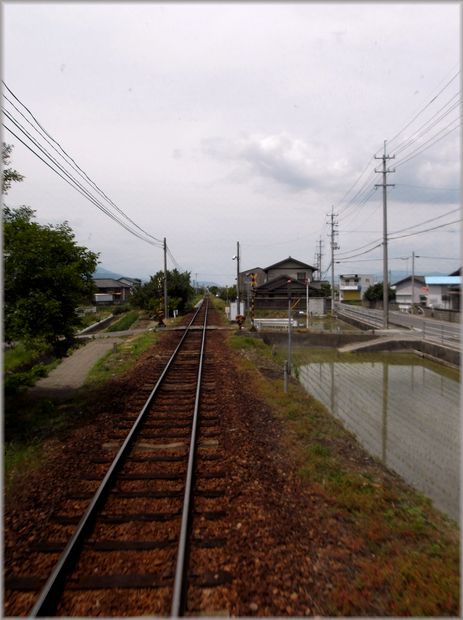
pixel 277 281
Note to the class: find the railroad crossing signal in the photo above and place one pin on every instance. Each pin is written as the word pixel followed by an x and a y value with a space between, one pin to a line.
pixel 253 277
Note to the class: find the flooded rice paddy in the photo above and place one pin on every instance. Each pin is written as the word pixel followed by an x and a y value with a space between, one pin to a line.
pixel 404 411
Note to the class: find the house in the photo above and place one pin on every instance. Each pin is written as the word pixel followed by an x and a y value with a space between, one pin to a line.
pixel 403 291
pixel 443 292
pixel 352 286
pixel 276 282
pixel 111 291
pixel 130 281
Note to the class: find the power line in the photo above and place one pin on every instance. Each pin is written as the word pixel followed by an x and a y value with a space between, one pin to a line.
pixel 81 190
pixel 378 245
pixel 67 158
pixel 421 131
pixel 420 232
pixel 433 219
pixel 444 189
pixel 75 166
pixel 434 140
pixel 425 107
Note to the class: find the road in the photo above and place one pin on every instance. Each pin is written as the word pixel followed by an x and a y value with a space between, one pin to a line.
pixel 433 330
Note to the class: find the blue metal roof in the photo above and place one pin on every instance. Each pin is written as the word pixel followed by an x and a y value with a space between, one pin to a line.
pixel 445 280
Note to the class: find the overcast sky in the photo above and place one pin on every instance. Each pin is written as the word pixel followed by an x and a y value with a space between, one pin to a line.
pixel 214 123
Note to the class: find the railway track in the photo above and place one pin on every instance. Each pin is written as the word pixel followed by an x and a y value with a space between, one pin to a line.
pixel 149 539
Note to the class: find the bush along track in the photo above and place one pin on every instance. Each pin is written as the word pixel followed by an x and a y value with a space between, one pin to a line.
pixel 380 548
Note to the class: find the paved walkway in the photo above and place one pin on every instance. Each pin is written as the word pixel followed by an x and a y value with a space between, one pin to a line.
pixel 72 371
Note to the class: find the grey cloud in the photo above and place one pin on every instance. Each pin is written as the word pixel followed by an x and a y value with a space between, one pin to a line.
pixel 288 161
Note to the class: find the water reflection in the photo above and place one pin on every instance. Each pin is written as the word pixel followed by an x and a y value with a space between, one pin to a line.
pixel 408 416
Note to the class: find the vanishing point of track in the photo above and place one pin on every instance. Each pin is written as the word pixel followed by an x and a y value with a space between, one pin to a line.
pixel 135 540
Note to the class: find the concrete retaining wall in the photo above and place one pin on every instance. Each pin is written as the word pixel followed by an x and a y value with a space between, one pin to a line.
pixel 318 339
pixel 97 326
pixel 336 341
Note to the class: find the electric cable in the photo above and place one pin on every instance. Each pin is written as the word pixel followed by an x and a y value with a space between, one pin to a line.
pixel 83 192
pixel 73 164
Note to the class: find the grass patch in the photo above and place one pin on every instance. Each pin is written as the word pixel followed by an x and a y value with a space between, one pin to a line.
pixel 247 343
pixel 124 322
pixel 407 553
pixel 25 355
pixel 94 317
pixel 121 358
pixel 24 364
pixel 19 458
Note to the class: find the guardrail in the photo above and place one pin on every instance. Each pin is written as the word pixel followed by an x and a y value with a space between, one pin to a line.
pixel 428 329
pixel 437 333
pixel 374 318
pixel 278 323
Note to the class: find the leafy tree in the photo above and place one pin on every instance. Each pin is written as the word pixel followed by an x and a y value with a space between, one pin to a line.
pixel 375 293
pixel 8 175
pixel 46 277
pixel 227 293
pixel 150 295
pixel 325 289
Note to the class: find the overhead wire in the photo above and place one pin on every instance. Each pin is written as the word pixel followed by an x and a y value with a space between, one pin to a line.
pixel 75 185
pixel 147 236
pixel 353 207
pixel 420 232
pixel 70 161
pixel 426 127
pixel 424 108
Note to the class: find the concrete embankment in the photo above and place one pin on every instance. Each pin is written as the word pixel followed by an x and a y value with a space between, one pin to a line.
pixel 361 342
pixel 316 339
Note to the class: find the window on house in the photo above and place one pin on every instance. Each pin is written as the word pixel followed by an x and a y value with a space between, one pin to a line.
pixel 301 275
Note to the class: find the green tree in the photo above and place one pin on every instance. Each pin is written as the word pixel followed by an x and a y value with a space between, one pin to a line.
pixel 46 277
pixel 149 295
pixel 325 289
pixel 375 293
pixel 8 175
pixel 227 293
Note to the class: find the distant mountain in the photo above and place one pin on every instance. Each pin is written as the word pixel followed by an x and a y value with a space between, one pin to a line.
pixel 101 272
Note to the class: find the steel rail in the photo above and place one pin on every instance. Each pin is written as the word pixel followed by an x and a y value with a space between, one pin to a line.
pixel 178 597
pixel 49 596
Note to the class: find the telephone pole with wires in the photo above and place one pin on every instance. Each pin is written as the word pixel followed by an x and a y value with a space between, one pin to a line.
pixel 166 302
pixel 385 171
pixel 334 246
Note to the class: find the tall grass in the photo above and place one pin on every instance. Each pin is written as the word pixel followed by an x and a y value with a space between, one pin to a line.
pixel 124 322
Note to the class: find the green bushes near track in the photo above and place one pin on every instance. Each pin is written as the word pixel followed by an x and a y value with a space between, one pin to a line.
pixel 124 322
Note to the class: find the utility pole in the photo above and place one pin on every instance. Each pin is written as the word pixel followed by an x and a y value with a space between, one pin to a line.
pixel 166 304
pixel 334 246
pixel 238 298
pixel 413 282
pixel 290 362
pixel 385 185
pixel 319 258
